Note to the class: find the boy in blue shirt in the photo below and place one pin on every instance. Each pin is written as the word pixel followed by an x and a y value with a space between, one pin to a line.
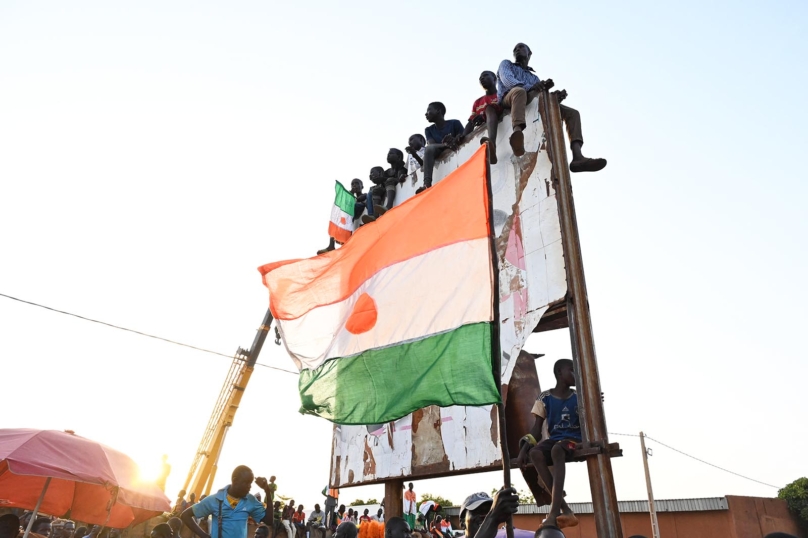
pixel 558 408
pixel 439 136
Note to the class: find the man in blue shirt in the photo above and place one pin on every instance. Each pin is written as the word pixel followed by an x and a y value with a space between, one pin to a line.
pixel 558 408
pixel 439 136
pixel 231 507
pixel 517 84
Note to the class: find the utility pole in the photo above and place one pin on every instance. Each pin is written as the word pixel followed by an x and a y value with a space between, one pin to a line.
pixel 651 505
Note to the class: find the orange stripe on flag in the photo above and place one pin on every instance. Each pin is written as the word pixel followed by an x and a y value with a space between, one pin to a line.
pixel 453 210
pixel 339 234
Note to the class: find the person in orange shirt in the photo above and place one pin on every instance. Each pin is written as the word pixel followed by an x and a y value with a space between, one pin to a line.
pixel 299 521
pixel 409 506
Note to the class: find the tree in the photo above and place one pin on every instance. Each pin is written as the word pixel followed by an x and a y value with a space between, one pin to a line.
pixel 372 501
pixel 443 502
pixel 357 502
pixel 796 496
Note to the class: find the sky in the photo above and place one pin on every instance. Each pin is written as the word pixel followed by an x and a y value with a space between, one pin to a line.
pixel 154 154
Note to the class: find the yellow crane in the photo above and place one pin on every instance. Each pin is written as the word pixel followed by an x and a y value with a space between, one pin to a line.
pixel 203 469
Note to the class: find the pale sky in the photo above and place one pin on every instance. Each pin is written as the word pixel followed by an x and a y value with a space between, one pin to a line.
pixel 154 154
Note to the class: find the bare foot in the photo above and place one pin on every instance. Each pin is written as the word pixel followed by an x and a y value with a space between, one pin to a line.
pixel 492 149
pixel 566 520
pixel 518 143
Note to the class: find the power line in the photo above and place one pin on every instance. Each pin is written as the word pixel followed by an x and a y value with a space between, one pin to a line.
pixel 694 458
pixel 142 333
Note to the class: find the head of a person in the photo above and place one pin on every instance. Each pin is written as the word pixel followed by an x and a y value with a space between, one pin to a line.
pixel 438 519
pixel 176 525
pixel 350 512
pixel 9 526
pixel 68 529
pixel 395 156
pixel 292 503
pixel 473 512
pixel 192 497
pixel 346 529
pixel 241 481
pixel 181 494
pixel 163 530
pixel 417 141
pixel 549 532
pixel 376 172
pixel 42 525
pixel 341 509
pixel 380 512
pixel 271 478
pixel 409 486
pixel 316 507
pixel 397 527
pixel 564 372
pixel 277 505
pixel 258 496
pixel 522 53
pixel 488 80
pixel 356 185
pixel 366 512
pixel 299 507
pixel 261 531
pixel 435 111
pixel 81 532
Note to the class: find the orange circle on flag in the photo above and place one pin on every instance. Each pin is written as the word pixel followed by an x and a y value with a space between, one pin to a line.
pixel 363 316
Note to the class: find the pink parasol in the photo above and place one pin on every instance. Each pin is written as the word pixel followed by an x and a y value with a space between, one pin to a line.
pixel 62 474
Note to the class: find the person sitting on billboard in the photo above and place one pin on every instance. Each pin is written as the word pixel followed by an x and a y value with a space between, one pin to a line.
pixel 440 135
pixel 557 407
pixel 486 110
pixel 416 146
pixel 516 81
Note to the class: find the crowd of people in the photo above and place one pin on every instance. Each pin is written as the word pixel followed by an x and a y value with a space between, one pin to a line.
pixel 226 513
pixel 509 89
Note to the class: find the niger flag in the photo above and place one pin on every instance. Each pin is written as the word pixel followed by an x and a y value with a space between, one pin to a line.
pixel 399 317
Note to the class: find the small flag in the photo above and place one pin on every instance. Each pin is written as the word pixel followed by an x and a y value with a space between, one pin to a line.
pixel 342 214
pixel 401 316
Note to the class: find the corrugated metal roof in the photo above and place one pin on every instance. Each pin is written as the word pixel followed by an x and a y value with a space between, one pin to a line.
pixel 670 505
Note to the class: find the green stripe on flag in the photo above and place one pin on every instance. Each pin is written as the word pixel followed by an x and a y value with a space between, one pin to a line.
pixel 381 385
pixel 344 199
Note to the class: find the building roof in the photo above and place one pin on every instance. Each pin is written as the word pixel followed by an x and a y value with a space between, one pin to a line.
pixel 663 505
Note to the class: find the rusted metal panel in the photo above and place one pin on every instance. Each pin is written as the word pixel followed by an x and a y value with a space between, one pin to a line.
pixel 437 442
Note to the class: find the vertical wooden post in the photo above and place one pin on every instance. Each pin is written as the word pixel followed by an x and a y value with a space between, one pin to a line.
pixel 593 421
pixel 651 505
pixel 393 498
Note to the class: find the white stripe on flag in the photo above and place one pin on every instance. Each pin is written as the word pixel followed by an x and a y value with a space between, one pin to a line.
pixel 428 294
pixel 341 218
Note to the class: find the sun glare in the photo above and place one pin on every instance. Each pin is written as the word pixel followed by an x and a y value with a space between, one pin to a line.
pixel 149 467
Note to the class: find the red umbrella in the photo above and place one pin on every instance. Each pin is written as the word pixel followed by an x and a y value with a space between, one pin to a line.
pixel 59 472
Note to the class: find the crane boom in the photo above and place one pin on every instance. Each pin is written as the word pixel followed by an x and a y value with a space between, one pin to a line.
pixel 203 469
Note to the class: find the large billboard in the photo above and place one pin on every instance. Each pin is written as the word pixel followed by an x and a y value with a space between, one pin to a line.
pixel 440 441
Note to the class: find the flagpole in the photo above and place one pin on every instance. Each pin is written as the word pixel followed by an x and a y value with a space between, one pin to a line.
pixel 496 351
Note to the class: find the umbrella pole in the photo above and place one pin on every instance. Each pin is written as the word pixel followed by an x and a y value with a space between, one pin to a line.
pixel 36 508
